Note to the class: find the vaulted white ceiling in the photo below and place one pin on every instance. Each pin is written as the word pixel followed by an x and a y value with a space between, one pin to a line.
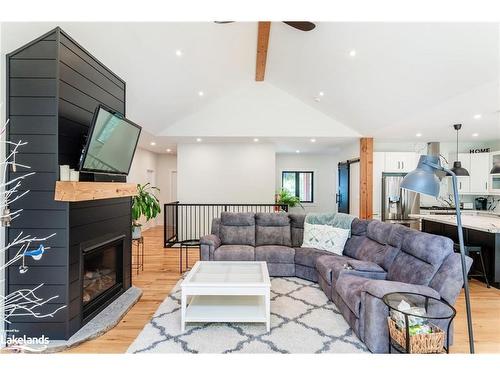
pixel 405 78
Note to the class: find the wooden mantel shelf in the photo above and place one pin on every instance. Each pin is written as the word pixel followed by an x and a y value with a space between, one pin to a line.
pixel 70 191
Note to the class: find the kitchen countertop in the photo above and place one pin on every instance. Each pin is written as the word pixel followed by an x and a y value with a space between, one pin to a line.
pixel 484 222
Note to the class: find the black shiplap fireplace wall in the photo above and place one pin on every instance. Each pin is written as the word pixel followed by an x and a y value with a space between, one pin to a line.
pixel 53 88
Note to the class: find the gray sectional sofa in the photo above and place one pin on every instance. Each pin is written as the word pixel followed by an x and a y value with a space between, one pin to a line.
pixel 378 258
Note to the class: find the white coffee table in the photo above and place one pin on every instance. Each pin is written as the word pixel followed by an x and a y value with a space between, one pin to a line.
pixel 226 292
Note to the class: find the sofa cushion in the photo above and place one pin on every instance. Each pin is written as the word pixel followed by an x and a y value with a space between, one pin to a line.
pixel 359 226
pixel 349 288
pixel 420 257
pixel 281 269
pixel 235 252
pixel 306 256
pixel 380 245
pixel 274 254
pixel 325 237
pixel 237 228
pixel 272 229
pixel 383 233
pixel 297 228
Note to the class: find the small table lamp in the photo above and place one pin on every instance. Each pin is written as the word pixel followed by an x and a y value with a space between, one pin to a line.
pixel 424 180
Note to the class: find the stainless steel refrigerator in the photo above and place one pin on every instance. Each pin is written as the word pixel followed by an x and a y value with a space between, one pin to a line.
pixel 397 203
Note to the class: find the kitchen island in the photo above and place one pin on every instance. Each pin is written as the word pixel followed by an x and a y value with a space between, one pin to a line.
pixel 479 230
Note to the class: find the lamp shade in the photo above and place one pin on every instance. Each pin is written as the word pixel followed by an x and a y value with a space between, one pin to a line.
pixel 459 170
pixel 423 179
pixel 495 169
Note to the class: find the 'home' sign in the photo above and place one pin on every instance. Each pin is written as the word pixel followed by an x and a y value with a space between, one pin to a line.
pixel 479 150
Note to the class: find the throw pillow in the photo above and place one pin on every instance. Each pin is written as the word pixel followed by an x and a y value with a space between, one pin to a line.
pixel 325 237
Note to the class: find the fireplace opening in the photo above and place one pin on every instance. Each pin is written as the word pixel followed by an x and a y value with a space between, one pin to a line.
pixel 102 276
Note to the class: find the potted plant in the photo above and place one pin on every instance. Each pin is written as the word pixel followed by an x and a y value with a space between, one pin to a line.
pixel 283 197
pixel 146 204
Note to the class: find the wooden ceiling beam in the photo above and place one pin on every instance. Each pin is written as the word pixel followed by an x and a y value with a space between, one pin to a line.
pixel 262 45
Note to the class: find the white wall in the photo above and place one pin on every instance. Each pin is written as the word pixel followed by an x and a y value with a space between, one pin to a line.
pixel 143 162
pixel 258 109
pixel 226 173
pixel 165 165
pixel 325 171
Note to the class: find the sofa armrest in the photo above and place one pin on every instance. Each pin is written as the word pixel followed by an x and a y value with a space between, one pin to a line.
pixel 379 288
pixel 210 240
pixel 360 265
pixel 208 244
pixel 368 270
pixel 373 275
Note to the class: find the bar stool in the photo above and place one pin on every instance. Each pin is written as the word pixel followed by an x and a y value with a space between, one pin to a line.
pixel 475 250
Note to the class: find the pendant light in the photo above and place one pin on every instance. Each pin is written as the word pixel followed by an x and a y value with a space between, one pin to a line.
pixel 495 169
pixel 457 165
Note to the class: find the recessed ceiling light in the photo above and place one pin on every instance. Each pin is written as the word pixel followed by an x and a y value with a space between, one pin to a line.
pixel 478 116
pixel 297 151
pixel 321 93
pixel 313 140
pixel 475 134
pixel 153 143
pixel 352 53
pixel 256 139
pixel 178 53
pixel 201 93
pixel 418 134
pixel 198 139
pixel 169 150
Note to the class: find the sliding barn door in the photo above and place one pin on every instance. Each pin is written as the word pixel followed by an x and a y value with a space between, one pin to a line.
pixel 343 191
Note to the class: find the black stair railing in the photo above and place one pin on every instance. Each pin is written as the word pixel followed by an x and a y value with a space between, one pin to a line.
pixel 191 221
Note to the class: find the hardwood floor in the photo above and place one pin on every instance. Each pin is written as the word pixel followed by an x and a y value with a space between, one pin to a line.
pixel 161 273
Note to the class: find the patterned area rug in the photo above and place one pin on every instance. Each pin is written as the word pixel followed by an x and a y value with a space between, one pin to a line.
pixel 303 320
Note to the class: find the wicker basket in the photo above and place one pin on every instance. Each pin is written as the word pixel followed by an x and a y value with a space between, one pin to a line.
pixel 419 344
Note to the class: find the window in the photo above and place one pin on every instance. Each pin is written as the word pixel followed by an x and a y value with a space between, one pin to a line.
pixel 299 184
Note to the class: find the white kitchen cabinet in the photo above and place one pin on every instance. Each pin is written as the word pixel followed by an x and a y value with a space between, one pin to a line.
pixel 400 162
pixel 479 172
pixel 378 168
pixel 462 181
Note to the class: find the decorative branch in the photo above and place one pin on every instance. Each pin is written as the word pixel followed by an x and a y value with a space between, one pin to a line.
pixel 22 302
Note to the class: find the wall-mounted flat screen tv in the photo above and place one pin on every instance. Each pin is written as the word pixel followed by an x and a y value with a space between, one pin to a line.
pixel 111 143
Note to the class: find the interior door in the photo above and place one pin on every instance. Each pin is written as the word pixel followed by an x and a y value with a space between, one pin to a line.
pixel 343 191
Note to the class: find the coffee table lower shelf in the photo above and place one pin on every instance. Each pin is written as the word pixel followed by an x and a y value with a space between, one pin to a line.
pixel 227 308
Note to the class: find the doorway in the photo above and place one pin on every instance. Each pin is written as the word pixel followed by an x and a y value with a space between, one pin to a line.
pixel 348 189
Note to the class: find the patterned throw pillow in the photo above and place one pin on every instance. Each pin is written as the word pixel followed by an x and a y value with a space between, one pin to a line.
pixel 325 237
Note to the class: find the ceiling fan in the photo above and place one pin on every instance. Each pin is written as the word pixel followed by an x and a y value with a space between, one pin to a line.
pixel 263 41
pixel 299 25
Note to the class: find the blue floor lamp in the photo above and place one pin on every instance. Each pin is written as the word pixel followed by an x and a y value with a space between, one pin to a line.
pixel 424 180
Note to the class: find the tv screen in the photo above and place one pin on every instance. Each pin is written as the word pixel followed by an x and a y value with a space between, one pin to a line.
pixel 111 143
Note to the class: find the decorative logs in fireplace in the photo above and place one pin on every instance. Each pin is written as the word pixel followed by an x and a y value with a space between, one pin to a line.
pixel 102 273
